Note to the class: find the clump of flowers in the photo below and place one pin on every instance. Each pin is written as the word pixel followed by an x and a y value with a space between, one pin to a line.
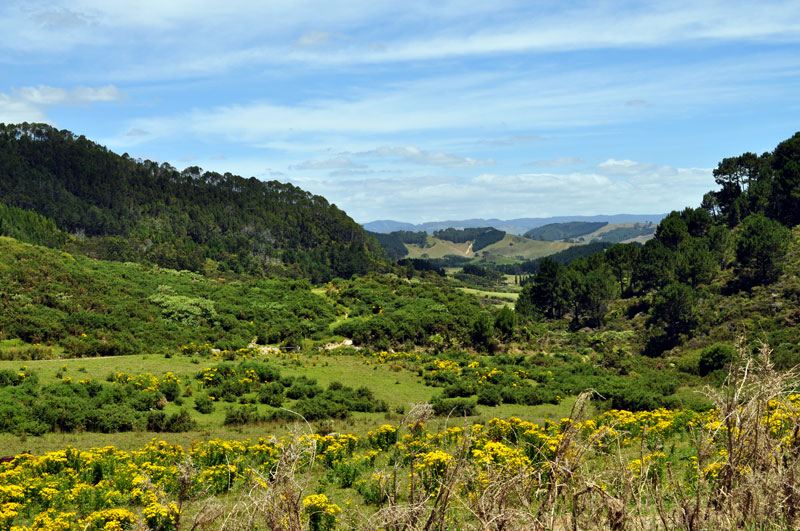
pixel 321 512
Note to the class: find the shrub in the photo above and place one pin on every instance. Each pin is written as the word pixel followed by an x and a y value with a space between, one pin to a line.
pixel 237 416
pixel 272 394
pixel 714 358
pixel 453 406
pixel 158 421
pixel 489 395
pixel 318 408
pixel 203 404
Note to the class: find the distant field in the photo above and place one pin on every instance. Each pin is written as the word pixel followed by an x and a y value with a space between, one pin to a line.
pixel 508 298
pixel 508 250
pixel 439 249
pixel 519 248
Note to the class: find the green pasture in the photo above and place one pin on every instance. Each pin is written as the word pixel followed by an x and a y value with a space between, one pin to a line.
pixel 400 387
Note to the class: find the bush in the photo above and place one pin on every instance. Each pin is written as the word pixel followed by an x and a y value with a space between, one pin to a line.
pixel 203 404
pixel 461 388
pixel 158 421
pixel 272 394
pixel 489 395
pixel 714 358
pixel 454 406
pixel 318 408
pixel 237 416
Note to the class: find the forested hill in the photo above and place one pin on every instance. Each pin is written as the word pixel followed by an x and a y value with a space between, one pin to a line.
pixel 119 208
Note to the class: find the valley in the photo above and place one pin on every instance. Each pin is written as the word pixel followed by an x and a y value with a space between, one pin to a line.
pixel 167 363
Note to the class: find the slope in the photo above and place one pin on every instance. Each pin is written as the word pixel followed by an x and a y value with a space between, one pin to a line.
pixel 125 209
pixel 510 249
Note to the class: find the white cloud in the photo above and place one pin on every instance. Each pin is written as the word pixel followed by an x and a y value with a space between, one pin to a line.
pixel 335 163
pixel 429 197
pixel 316 38
pixel 44 95
pixel 431 158
pixel 618 167
pixel 559 161
pixel 90 94
pixel 15 110
pixel 27 104
pixel 183 38
pixel 483 103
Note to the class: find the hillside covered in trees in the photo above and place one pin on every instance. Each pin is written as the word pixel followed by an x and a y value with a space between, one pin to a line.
pixel 108 206
pixel 727 267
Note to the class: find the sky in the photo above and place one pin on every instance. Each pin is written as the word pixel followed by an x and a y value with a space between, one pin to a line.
pixel 419 110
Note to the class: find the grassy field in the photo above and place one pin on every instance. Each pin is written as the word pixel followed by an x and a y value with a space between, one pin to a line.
pixel 506 298
pixel 399 387
pixel 508 250
pixel 517 248
pixel 437 248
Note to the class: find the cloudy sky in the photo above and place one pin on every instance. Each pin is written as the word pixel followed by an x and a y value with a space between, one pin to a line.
pixel 419 110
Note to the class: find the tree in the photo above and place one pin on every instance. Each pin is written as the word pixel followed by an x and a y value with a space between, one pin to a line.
pixel 504 321
pixel 760 249
pixel 694 262
pixel 698 221
pixel 734 175
pixel 786 163
pixel 597 288
pixel 672 230
pixel 714 358
pixel 545 294
pixel 673 311
pixel 482 334
pixel 711 205
pixel 622 259
pixel 720 244
pixel 655 267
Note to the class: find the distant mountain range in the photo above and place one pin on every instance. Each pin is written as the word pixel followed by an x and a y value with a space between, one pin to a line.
pixel 516 226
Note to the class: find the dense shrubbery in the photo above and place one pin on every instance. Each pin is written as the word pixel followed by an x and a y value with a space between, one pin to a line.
pixel 479 276
pixel 128 403
pixel 415 238
pixel 93 308
pixel 393 312
pixel 565 257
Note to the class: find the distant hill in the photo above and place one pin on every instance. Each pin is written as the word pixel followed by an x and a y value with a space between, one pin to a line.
pixel 118 208
pixel 518 226
pixel 585 232
pixel 562 231
pixel 620 233
pixel 511 248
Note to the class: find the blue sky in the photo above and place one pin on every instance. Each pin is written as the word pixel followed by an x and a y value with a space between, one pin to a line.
pixel 419 111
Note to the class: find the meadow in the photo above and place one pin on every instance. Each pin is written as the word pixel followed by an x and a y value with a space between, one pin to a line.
pixel 730 467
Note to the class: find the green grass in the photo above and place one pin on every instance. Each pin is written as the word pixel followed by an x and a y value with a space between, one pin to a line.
pixel 399 387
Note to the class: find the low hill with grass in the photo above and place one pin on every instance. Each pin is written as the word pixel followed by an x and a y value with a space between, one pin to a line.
pixel 510 248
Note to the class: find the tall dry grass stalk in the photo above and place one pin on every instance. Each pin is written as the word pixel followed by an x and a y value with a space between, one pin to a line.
pixel 274 501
